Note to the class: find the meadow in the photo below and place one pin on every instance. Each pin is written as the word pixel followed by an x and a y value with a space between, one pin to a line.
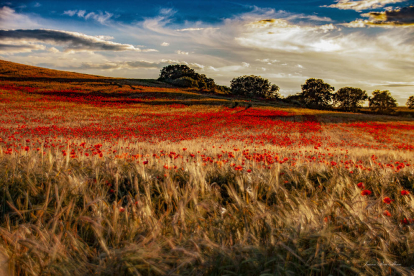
pixel 107 176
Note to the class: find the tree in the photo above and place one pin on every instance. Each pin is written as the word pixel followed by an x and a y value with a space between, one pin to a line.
pixel 254 86
pixel 382 101
pixel 176 71
pixel 184 76
pixel 410 102
pixel 350 98
pixel 315 92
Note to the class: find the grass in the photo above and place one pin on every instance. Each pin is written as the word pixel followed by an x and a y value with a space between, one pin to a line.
pixel 97 182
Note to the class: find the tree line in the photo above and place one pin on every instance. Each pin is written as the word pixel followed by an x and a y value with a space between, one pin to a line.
pixel 315 92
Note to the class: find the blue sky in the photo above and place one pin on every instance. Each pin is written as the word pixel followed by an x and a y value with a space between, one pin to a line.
pixel 360 43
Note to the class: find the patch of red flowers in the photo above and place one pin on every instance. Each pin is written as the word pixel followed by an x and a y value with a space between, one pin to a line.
pixel 366 192
pixel 387 200
pixel 387 213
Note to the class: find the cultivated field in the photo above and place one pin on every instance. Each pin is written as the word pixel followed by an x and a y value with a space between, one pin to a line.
pixel 107 176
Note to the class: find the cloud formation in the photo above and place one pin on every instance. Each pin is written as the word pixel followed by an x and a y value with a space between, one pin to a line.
pixel 400 17
pixel 9 19
pixel 359 5
pixel 139 64
pixel 397 17
pixel 100 17
pixel 6 48
pixel 71 41
pixel 280 34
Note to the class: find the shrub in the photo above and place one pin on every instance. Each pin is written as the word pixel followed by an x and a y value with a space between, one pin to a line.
pixel 184 82
pixel 254 86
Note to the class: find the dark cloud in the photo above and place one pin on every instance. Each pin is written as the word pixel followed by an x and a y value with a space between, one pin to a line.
pixel 398 17
pixel 16 48
pixel 71 41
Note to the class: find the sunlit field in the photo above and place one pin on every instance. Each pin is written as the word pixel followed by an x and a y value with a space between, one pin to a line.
pixel 115 177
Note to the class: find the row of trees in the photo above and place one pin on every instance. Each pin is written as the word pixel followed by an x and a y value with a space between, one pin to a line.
pixel 315 92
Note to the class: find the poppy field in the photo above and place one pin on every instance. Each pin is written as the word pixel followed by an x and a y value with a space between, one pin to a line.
pixel 113 177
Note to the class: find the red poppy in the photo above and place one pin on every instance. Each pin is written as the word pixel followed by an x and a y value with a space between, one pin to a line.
pixel 404 192
pixel 145 162
pixel 361 185
pixel 387 200
pixel 387 213
pixel 366 192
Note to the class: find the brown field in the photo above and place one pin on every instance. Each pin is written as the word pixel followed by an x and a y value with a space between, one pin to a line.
pixel 106 176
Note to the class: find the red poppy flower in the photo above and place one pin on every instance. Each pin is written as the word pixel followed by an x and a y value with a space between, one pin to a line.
pixel 405 221
pixel 404 192
pixel 387 213
pixel 366 192
pixel 387 200
pixel 145 162
pixel 361 185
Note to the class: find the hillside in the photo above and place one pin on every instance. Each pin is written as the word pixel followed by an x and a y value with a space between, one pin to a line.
pixel 133 177
pixel 10 69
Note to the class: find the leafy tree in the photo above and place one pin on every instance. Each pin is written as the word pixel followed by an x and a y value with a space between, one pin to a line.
pixel 176 71
pixel 350 98
pixel 254 86
pixel 184 76
pixel 315 92
pixel 410 102
pixel 382 101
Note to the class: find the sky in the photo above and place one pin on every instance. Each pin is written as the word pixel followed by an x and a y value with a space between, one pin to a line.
pixel 367 44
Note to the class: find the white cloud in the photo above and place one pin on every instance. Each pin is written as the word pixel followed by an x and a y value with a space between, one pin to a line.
pixel 100 17
pixel 9 19
pixel 359 5
pixel 165 44
pixel 182 53
pixel 81 13
pixel 53 50
pixel 282 35
pixel 70 12
pixel 268 61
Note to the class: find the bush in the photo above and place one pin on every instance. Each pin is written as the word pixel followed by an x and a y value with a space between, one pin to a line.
pixel 223 88
pixel 382 102
pixel 254 86
pixel 184 82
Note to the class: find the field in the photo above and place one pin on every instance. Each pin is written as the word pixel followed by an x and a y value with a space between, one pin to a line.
pixel 107 176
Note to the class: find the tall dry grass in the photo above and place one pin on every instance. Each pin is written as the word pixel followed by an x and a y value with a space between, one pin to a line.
pixel 60 217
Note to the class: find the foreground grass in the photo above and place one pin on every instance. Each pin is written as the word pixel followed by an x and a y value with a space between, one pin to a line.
pixel 107 216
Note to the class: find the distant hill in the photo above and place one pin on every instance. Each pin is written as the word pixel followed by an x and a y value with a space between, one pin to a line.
pixel 10 69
